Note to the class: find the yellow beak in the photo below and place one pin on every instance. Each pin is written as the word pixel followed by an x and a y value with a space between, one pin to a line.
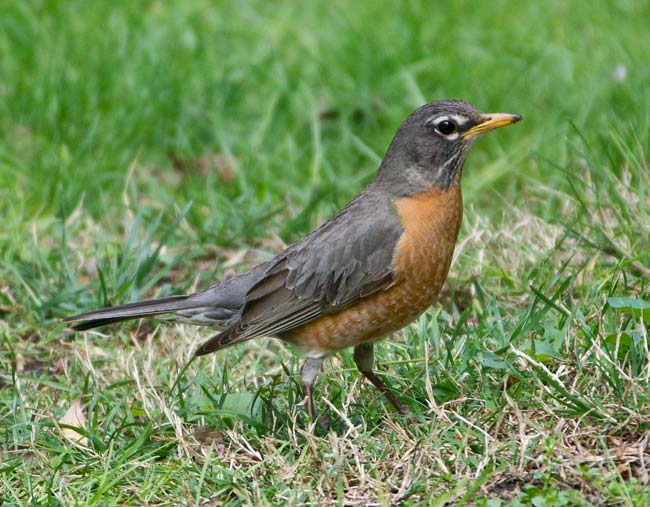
pixel 490 122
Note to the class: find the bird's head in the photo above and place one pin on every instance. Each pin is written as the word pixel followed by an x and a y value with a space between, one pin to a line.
pixel 430 146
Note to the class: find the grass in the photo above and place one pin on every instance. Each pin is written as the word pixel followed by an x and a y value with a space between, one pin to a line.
pixel 150 148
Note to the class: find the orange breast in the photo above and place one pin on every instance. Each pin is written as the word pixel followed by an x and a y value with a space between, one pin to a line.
pixel 431 221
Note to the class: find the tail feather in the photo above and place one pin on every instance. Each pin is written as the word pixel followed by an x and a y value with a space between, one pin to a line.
pixel 217 306
pixel 91 324
pixel 129 311
pixel 221 340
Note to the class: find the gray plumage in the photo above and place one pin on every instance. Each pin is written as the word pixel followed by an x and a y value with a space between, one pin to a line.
pixel 346 259
pixel 341 262
pixel 325 272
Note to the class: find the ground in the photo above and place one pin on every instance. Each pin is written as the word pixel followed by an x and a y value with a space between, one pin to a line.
pixel 151 148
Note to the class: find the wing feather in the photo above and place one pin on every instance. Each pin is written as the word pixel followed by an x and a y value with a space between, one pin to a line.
pixel 346 259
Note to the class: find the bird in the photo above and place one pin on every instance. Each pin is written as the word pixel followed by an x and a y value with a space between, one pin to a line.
pixel 364 274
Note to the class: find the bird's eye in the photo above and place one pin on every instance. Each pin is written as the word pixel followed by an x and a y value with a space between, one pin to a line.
pixel 446 127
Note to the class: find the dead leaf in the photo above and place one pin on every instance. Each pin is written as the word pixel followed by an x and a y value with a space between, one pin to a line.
pixel 207 163
pixel 6 309
pixel 20 364
pixel 206 434
pixel 74 417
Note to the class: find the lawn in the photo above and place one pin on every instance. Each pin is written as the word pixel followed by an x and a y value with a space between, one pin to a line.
pixel 151 148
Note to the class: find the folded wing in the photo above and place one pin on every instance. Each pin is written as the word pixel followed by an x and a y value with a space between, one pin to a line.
pixel 346 259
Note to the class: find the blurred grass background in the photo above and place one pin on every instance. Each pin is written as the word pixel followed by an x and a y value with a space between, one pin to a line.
pixel 143 144
pixel 91 87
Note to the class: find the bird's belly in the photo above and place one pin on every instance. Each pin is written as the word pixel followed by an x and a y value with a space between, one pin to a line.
pixel 374 317
pixel 421 262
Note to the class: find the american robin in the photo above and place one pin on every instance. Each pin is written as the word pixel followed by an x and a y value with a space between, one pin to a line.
pixel 370 270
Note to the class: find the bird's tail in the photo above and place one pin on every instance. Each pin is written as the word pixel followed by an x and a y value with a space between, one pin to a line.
pixel 221 340
pixel 130 311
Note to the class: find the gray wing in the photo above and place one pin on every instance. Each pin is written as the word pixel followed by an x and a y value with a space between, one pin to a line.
pixel 346 259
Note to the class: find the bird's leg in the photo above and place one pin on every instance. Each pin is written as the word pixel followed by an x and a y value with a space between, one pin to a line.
pixel 308 375
pixel 364 356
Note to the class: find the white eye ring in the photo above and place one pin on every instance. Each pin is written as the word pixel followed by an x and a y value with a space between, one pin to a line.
pixel 445 126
